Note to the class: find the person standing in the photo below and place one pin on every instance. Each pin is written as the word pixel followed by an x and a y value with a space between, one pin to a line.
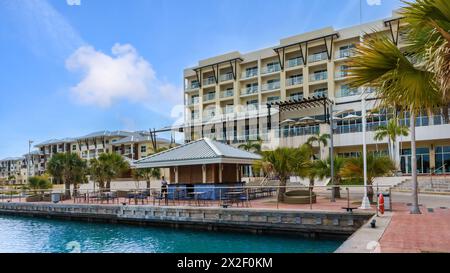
pixel 164 190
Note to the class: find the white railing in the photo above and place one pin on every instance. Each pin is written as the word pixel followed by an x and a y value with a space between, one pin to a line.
pixel 227 93
pixel 193 86
pixel 295 97
pixel 226 77
pixel 318 76
pixel 294 81
pixel 342 54
pixel 294 62
pixel 209 96
pixel 209 81
pixel 341 74
pixel 249 74
pixel 270 86
pixel 322 56
pixel 271 69
pixel 249 90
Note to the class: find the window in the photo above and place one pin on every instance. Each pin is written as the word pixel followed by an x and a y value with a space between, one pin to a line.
pixel 273 98
pixel 143 149
pixel 251 71
pixel 442 158
pixel 74 147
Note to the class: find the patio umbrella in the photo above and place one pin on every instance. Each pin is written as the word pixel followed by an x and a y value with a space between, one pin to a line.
pixel 344 111
pixel 351 117
pixel 289 122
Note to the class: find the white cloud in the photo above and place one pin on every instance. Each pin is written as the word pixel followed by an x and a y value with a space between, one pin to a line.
pixel 123 75
pixel 73 2
pixel 373 2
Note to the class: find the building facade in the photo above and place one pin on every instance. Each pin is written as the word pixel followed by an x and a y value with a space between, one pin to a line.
pixel 282 95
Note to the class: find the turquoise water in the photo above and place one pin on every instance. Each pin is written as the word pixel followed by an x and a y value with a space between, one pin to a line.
pixel 20 234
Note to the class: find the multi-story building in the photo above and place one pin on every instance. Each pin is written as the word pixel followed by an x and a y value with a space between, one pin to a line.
pixel 13 170
pixel 282 95
pixel 133 145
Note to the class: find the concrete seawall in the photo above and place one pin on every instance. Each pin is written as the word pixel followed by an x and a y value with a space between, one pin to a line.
pixel 308 223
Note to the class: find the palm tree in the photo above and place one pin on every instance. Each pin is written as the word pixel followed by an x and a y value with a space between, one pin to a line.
pixel 378 62
pixel 428 38
pixel 376 166
pixel 392 130
pixel 107 167
pixel 281 163
pixel 68 168
pixel 146 174
pixel 322 169
pixel 97 172
pixel 319 139
pixel 251 146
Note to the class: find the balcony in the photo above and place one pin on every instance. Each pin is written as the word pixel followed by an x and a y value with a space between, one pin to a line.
pixel 294 62
pixel 347 92
pixel 294 81
pixel 270 86
pixel 273 100
pixel 193 101
pixel 341 75
pixel 321 93
pixel 226 77
pixel 343 54
pixel 193 86
pixel 249 74
pixel 228 110
pixel 209 81
pixel 271 69
pixel 227 94
pixel 320 76
pixel 209 114
pixel 249 90
pixel 295 97
pixel 209 96
pixel 322 56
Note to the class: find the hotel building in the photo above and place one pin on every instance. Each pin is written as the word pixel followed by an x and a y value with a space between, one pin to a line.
pixel 282 95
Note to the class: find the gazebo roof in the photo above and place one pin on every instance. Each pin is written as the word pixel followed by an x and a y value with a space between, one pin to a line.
pixel 202 151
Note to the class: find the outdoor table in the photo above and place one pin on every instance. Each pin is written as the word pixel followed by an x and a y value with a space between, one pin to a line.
pixel 234 195
pixel 196 194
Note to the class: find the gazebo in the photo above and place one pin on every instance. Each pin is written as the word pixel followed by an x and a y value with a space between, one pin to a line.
pixel 200 165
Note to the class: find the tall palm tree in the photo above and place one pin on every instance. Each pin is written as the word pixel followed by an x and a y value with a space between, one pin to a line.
pixel 392 130
pixel 379 63
pixel 113 166
pixel 428 38
pixel 68 168
pixel 376 166
pixel 319 139
pixel 322 169
pixel 146 174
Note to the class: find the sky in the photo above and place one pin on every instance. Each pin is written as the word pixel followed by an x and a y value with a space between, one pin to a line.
pixel 72 67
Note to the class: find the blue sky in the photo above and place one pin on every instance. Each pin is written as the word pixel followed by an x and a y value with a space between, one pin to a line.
pixel 70 67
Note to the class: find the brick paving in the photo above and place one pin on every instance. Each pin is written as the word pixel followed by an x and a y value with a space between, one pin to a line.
pixel 426 232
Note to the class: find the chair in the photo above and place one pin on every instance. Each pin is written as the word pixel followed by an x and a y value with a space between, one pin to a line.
pixel 157 196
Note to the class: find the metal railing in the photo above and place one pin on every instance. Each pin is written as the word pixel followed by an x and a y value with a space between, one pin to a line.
pixel 271 69
pixel 320 76
pixel 195 195
pixel 294 81
pixel 270 86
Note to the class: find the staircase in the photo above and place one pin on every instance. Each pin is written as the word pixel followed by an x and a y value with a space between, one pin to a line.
pixel 431 184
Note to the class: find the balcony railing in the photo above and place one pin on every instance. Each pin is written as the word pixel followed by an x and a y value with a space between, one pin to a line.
pixel 322 56
pixel 341 74
pixel 193 86
pixel 322 93
pixel 194 101
pixel 318 76
pixel 295 97
pixel 209 96
pixel 249 74
pixel 249 90
pixel 347 92
pixel 271 69
pixel 294 62
pixel 294 81
pixel 342 54
pixel 228 110
pixel 227 93
pixel 226 77
pixel 270 86
pixel 209 81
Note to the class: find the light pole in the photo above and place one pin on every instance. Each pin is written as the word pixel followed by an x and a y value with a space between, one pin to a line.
pixel 333 197
pixel 29 157
pixel 365 204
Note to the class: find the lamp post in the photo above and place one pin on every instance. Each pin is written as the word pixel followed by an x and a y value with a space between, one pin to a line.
pixel 333 197
pixel 365 204
pixel 29 157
